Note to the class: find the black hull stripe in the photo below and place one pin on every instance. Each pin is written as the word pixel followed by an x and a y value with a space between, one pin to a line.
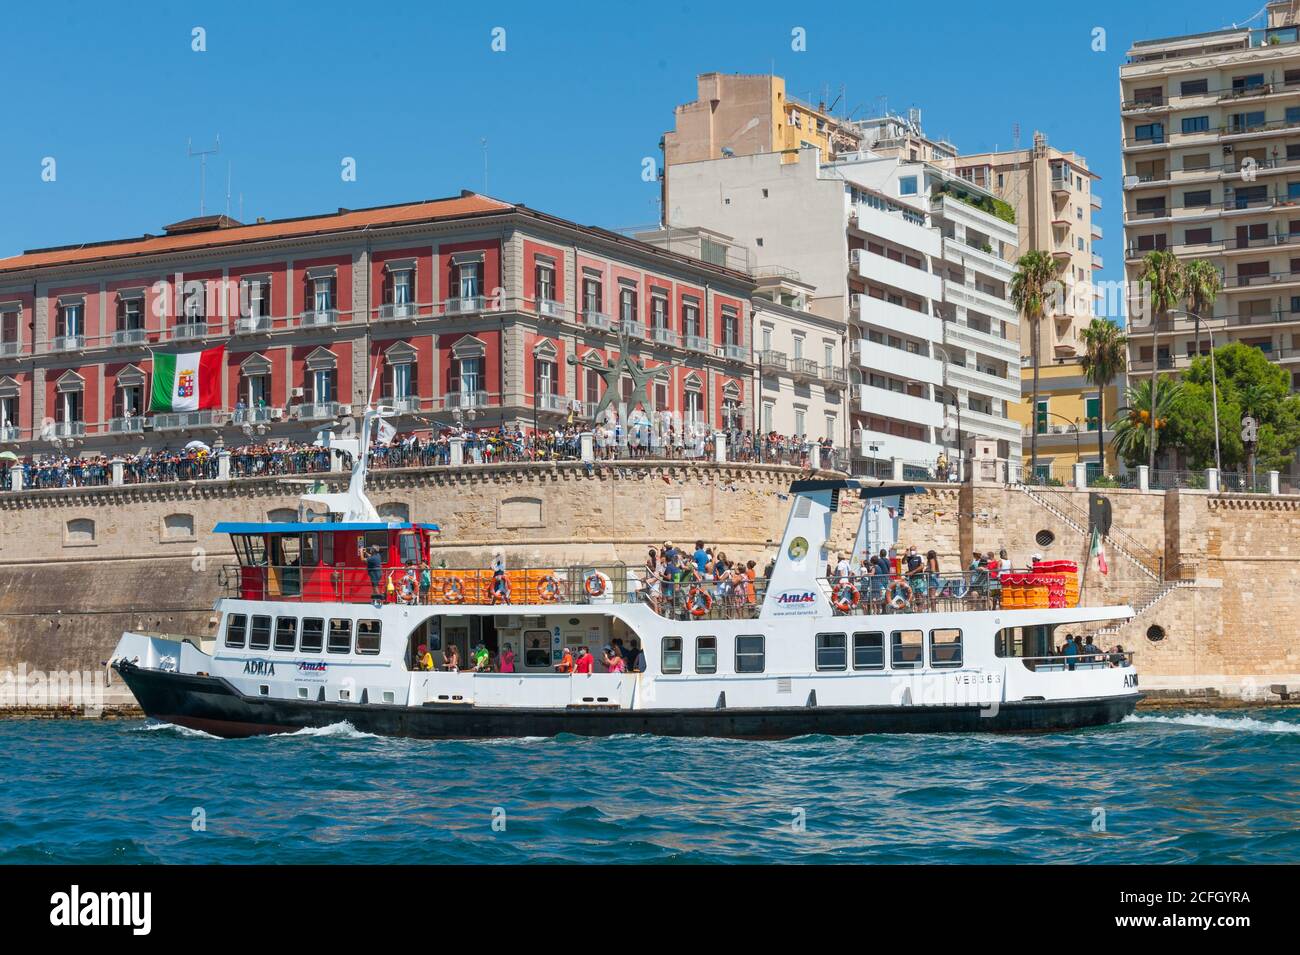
pixel 213 705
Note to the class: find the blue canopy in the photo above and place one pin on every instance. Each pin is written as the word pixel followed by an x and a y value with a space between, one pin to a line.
pixel 310 527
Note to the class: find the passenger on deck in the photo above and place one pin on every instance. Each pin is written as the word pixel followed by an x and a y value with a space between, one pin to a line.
pixel 614 662
pixel 932 575
pixel 426 581
pixel 585 661
pixel 500 587
pixel 1117 656
pixel 482 659
pixel 410 584
pixel 424 659
pixel 638 657
pixel 1070 651
pixel 451 658
pixel 507 659
pixel 1093 651
pixel 566 662
pixel 375 569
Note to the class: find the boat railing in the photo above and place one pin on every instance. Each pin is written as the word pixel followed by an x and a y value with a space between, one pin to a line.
pixel 573 584
pixel 1082 660
pixel 689 599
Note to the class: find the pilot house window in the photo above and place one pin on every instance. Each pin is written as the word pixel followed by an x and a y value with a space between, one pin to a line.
pixel 672 655
pixel 313 635
pixel 236 630
pixel 368 636
pixel 749 654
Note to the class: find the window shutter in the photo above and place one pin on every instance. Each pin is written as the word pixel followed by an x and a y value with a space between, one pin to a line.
pixel 390 294
pixel 413 387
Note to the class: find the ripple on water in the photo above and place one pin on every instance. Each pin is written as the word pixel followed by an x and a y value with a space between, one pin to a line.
pixel 1173 787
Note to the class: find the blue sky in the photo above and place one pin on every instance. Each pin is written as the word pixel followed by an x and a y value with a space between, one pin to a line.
pixel 580 95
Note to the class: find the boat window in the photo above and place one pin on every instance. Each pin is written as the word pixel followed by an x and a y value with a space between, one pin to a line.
pixel 260 638
pixel 749 654
pixel 868 651
pixel 368 636
pixel 905 649
pixel 672 654
pixel 537 648
pixel 1036 641
pixel 250 548
pixel 313 635
pixel 378 539
pixel 706 654
pixel 408 547
pixel 945 648
pixel 286 633
pixel 310 550
pixel 340 635
pixel 236 629
pixel 832 653
pixel 327 549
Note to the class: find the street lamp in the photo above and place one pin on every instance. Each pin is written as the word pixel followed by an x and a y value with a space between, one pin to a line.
pixel 1074 425
pixel 1214 380
pixel 956 402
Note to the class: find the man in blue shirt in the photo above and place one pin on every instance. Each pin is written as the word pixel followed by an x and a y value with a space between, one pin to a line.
pixel 701 556
pixel 375 569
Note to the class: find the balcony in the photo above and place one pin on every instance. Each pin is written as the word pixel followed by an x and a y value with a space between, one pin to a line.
pixel 181 420
pixel 770 360
pixel 67 342
pixel 404 404
pixel 594 319
pixel 1094 200
pixel 899 406
pixel 897 361
pixel 259 415
pixel 69 429
pixel 1143 103
pixel 549 308
pixel 465 399
pixel 633 328
pixel 733 352
pixel 9 432
pixel 1097 261
pixel 1096 231
pixel 968 336
pixel 558 404
pixel 665 336
pixel 877 311
pixel 465 305
pixel 804 369
pixel 985 380
pixel 834 378
pixel 318 318
pixel 900 275
pixel 10 348
pixel 130 336
pixel 316 411
pixel 189 331
pixel 132 425
pixel 396 311
pixel 252 324
pixel 696 343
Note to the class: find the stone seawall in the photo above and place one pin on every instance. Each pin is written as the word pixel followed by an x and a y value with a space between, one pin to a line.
pixel 77 566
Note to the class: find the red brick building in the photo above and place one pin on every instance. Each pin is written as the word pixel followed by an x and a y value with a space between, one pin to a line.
pixel 461 309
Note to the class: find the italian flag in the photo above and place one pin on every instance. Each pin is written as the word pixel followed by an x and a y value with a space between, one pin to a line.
pixel 190 381
pixel 1096 550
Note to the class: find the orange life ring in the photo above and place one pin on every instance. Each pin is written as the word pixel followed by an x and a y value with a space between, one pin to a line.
pixel 697 607
pixel 899 594
pixel 594 585
pixel 453 591
pixel 548 589
pixel 846 597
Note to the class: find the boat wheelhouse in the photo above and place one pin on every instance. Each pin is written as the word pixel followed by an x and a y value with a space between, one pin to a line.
pixel 310 634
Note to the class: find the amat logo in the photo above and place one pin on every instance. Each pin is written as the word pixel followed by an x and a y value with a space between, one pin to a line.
pixel 797 598
pixel 259 667
pixel 311 666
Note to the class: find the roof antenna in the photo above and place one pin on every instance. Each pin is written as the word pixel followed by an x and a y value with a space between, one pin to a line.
pixel 203 155
pixel 229 164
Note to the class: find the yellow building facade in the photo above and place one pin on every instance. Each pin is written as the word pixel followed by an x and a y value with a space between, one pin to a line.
pixel 1066 419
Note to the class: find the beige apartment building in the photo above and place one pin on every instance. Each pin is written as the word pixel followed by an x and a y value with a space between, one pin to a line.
pixel 1211 127
pixel 1053 194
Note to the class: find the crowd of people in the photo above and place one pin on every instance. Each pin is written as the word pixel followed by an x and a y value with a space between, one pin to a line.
pixel 198 462
pixel 615 657
pixel 704 581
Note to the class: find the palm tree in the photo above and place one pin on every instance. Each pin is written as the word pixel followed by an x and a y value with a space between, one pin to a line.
pixel 1163 277
pixel 1201 286
pixel 1105 353
pixel 1032 285
pixel 1136 427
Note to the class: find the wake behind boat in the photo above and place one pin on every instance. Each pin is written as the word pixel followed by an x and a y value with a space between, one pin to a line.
pixel 306 637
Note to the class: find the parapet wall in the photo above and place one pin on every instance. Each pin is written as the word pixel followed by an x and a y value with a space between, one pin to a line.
pixel 79 565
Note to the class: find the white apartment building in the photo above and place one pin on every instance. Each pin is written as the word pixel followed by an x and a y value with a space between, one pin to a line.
pixel 895 247
pixel 1211 125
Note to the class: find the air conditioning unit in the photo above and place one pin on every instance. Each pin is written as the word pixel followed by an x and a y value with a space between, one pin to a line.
pixel 298 392
pixel 277 414
pixel 345 411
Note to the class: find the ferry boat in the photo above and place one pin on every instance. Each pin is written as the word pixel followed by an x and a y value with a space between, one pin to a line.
pixel 303 640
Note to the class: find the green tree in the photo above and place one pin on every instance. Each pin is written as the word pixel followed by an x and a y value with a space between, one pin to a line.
pixel 1033 285
pixel 1248 382
pixel 1162 278
pixel 1135 425
pixel 1201 285
pixel 1105 351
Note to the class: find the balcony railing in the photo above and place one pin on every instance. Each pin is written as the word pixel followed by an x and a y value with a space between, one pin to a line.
pixel 805 369
pixel 10 348
pixel 316 410
pixel 406 404
pixel 464 305
pixel 550 308
pixel 773 360
pixel 317 318
pixel 634 328
pixel 395 311
pixel 174 421
pixel 665 336
pixel 189 331
pixel 734 352
pixel 130 336
pixel 696 343
pixel 69 429
pixel 9 432
pixel 259 415
pixel 1267 278
pixel 835 377
pixel 465 399
pixel 252 324
pixel 67 342
pixel 131 425
pixel 558 404
pixel 594 319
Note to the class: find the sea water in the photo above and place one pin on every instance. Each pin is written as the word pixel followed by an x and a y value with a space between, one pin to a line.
pixel 1171 787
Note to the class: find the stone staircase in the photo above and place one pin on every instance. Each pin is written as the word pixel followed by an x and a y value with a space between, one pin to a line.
pixel 1147 602
pixel 1142 560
